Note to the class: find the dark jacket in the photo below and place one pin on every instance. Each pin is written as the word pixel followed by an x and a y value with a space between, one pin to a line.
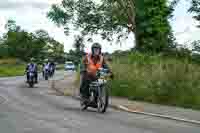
pixel 28 67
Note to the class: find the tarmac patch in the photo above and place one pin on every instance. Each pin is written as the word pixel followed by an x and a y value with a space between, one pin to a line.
pixel 2 100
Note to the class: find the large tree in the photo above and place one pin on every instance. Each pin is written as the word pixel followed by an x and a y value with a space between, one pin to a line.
pixel 195 8
pixel 106 18
pixel 148 19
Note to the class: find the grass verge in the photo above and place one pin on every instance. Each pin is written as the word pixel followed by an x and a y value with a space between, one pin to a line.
pixel 7 70
pixel 157 79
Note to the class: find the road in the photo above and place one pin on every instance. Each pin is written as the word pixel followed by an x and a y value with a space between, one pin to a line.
pixel 34 110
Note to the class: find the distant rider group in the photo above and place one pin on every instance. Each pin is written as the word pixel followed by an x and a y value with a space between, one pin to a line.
pixel 48 70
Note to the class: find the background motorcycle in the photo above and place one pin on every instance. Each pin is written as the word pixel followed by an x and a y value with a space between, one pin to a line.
pixel 31 79
pixel 46 74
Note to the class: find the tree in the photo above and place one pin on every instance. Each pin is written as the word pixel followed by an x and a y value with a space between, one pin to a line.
pixel 148 19
pixel 196 51
pixel 55 50
pixel 79 44
pixel 42 35
pixel 196 46
pixel 195 8
pixel 24 45
pixel 76 55
pixel 79 48
pixel 3 48
pixel 91 17
pixel 11 26
pixel 172 44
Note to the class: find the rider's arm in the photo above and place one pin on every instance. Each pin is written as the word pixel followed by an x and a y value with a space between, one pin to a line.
pixel 106 66
pixel 27 68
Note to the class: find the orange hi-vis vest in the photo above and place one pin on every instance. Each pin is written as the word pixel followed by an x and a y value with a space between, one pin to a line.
pixel 91 66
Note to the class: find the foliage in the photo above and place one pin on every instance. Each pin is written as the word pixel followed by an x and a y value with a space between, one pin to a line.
pixel 148 19
pixel 21 44
pixel 76 55
pixel 196 51
pixel 196 46
pixel 152 26
pixel 195 8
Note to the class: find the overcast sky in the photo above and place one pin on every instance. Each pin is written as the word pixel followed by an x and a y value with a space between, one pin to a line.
pixel 31 15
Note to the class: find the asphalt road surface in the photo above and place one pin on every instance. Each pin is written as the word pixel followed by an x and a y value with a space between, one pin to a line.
pixel 34 110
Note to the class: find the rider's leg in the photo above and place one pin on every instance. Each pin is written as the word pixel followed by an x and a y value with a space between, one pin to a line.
pixel 27 77
pixel 86 79
pixel 36 77
pixel 53 71
pixel 84 86
pixel 42 73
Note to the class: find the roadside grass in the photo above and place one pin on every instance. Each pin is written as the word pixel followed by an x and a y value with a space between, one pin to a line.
pixel 60 67
pixel 157 79
pixel 11 61
pixel 11 67
pixel 7 70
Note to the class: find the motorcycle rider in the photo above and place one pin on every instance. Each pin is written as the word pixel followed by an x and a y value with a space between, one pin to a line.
pixel 90 65
pixel 52 67
pixel 32 67
pixel 45 66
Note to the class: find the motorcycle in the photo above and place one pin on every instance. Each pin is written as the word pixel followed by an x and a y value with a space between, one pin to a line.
pixel 51 72
pixel 31 79
pixel 46 74
pixel 99 94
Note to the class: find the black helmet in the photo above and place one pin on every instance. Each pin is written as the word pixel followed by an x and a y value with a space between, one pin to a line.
pixel 96 45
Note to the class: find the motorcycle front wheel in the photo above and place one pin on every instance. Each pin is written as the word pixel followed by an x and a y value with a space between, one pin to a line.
pixel 46 77
pixel 31 83
pixel 83 105
pixel 103 99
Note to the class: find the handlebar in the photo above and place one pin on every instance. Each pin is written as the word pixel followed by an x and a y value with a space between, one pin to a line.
pixel 104 72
